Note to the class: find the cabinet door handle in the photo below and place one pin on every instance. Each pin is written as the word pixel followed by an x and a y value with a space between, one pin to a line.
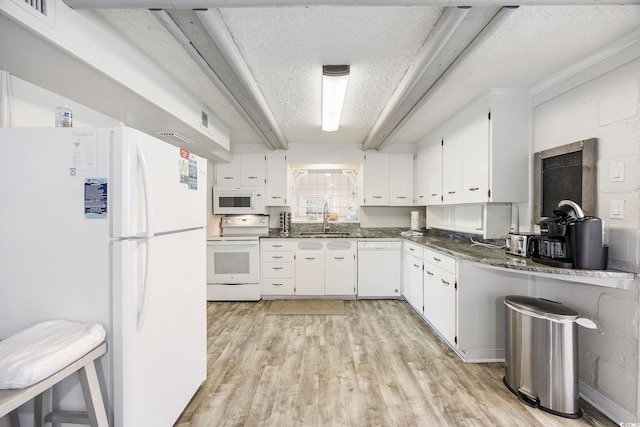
pixel 420 197
pixel 400 197
pixel 277 257
pixel 451 192
pixel 338 257
pixel 276 268
pixel 437 259
pixel 227 177
pixel 276 246
pixel 309 257
pixel 416 265
pixel 429 273
pixel 411 249
pixel 276 197
pixel 252 177
pixel 276 284
pixel 376 197
pixel 445 282
pixel 474 189
pixel 434 194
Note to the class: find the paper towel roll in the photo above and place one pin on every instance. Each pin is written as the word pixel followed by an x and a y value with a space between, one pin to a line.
pixel 415 220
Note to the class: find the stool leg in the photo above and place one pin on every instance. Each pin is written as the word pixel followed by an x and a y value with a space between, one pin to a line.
pixel 93 396
pixel 37 411
pixel 14 420
pixel 55 402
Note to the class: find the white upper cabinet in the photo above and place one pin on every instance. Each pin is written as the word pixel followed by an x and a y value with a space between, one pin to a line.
pixel 376 179
pixel 277 172
pixel 388 179
pixel 509 152
pixel 434 170
pixel 452 149
pixel 485 151
pixel 420 168
pixel 253 170
pixel 246 170
pixel 401 179
pixel 475 158
pixel 228 174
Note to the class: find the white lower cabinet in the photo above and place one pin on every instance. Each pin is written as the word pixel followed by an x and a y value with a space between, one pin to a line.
pixel 340 267
pixel 440 301
pixel 412 284
pixel 278 267
pixel 440 295
pixel 308 267
pixel 464 304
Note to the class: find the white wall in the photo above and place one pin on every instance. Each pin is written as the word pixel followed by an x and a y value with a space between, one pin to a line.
pixel 32 106
pixel 607 108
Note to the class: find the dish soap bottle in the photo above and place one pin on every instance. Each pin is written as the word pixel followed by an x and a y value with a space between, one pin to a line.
pixel 64 117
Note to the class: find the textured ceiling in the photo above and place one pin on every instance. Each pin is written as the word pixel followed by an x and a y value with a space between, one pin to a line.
pixel 144 30
pixel 531 44
pixel 285 48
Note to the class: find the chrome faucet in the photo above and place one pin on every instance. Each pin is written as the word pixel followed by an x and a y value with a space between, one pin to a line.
pixel 325 220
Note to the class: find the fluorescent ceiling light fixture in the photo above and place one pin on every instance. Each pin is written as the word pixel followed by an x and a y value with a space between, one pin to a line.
pixel 334 88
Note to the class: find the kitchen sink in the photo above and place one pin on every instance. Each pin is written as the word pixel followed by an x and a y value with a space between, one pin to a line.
pixel 325 234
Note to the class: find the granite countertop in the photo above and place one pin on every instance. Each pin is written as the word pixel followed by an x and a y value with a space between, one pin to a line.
pixel 357 233
pixel 462 248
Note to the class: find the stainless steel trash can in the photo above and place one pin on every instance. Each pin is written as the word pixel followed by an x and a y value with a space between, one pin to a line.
pixel 541 354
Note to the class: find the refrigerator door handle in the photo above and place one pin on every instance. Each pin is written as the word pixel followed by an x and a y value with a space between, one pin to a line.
pixel 142 307
pixel 146 235
pixel 146 188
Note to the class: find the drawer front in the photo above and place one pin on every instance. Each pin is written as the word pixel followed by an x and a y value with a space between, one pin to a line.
pixel 278 269
pixel 278 245
pixel 443 261
pixel 277 256
pixel 412 249
pixel 278 287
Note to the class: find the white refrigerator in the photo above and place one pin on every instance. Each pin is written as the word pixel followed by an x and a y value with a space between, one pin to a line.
pixel 108 225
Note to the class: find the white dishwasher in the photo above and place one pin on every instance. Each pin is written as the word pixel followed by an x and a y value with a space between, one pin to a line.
pixel 379 269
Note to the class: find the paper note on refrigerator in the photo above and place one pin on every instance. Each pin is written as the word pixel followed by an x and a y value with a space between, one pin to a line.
pixel 188 167
pixel 84 150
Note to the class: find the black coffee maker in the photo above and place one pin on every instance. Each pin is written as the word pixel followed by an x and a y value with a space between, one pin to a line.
pixel 571 240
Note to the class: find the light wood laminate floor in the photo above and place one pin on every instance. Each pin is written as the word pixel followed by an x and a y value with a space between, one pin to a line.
pixel 378 365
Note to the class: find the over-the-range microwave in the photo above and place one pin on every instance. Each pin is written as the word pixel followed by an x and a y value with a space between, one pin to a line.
pixel 238 200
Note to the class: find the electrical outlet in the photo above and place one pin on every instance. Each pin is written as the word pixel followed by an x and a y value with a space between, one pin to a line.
pixel 617 209
pixel 617 172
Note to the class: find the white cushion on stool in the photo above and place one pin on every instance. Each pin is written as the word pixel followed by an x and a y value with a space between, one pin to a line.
pixel 39 351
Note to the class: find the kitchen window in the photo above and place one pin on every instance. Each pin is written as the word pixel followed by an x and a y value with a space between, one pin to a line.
pixel 312 188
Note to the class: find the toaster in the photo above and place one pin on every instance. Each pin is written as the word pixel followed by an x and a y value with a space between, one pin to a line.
pixel 520 244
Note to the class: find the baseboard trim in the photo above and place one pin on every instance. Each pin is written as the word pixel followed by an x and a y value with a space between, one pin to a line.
pixel 605 405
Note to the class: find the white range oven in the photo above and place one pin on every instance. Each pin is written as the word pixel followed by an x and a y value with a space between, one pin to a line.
pixel 233 259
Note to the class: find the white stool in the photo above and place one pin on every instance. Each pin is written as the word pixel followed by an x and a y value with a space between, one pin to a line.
pixel 95 416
